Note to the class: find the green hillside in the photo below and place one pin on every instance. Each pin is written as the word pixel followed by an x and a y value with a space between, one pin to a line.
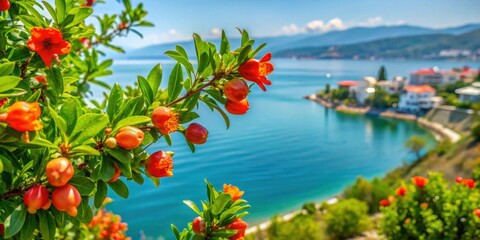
pixel 411 47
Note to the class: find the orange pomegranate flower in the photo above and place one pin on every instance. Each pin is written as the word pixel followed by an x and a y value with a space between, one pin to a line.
pixel 401 191
pixel 233 191
pixel 419 181
pixel 23 116
pixel 256 71
pixel 48 43
pixel 459 179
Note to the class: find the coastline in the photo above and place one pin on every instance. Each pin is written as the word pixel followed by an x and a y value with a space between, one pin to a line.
pixel 439 131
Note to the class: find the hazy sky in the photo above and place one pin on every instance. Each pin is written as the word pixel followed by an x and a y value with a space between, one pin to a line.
pixel 177 19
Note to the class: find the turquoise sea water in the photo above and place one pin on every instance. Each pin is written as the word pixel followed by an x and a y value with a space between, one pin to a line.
pixel 284 152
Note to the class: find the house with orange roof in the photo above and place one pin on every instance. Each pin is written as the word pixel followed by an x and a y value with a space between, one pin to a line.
pixel 418 99
pixel 433 76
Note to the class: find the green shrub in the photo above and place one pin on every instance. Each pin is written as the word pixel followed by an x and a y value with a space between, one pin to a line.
pixel 369 192
pixel 301 227
pixel 347 218
pixel 433 212
pixel 476 131
pixel 309 207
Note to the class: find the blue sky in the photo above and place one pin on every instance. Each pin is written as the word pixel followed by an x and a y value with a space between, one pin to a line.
pixel 177 19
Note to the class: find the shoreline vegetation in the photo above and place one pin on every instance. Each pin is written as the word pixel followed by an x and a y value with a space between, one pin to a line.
pixel 439 131
pixel 442 134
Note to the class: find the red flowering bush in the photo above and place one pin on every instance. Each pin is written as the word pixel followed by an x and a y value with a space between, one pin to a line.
pixel 430 209
pixel 62 152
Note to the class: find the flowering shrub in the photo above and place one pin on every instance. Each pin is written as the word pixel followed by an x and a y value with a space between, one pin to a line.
pixel 428 209
pixel 220 218
pixel 59 150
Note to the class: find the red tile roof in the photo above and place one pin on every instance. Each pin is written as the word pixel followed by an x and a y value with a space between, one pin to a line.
pixel 420 89
pixel 425 71
pixel 347 83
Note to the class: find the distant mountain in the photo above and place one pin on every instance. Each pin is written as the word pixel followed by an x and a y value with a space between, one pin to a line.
pixel 348 36
pixel 430 46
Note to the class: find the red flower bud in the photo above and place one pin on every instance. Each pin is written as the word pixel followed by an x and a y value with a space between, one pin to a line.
pixel 420 181
pixel 236 90
pixel 36 198
pixel 4 5
pixel 196 133
pixel 237 108
pixel 240 226
pixel 23 116
pixel 41 79
pixel 198 225
pixel 459 179
pixel 384 203
pixel 159 164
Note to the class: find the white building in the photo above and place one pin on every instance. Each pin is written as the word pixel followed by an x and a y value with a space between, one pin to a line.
pixel 470 93
pixel 433 76
pixel 418 98
pixel 393 86
pixel 364 89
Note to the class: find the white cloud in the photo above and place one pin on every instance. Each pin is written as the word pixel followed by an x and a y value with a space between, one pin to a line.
pixel 320 26
pixel 291 29
pixel 172 31
pixel 216 32
pixel 313 26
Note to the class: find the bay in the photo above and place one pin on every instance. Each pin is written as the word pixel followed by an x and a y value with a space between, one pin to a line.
pixel 285 151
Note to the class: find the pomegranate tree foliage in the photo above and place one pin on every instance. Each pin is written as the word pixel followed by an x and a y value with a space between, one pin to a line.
pixel 49 58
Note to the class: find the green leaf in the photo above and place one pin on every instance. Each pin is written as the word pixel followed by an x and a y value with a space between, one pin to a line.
pixel 175 231
pixel 146 90
pixel 15 221
pixel 52 12
pixel 47 225
pixel 70 111
pixel 6 68
pixel 181 59
pixel 220 203
pixel 155 78
pixel 130 121
pixel 29 227
pixel 79 14
pixel 55 81
pixel 88 126
pixel 115 101
pixel 122 155
pixel 101 194
pixel 14 93
pixel 119 188
pixel 224 45
pixel 8 82
pixel 85 211
pixel 84 185
pixel 193 206
pixel 175 83
pixel 187 117
pixel 59 122
pixel 61 10
pixel 83 150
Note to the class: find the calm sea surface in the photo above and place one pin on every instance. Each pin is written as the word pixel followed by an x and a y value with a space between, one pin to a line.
pixel 284 152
